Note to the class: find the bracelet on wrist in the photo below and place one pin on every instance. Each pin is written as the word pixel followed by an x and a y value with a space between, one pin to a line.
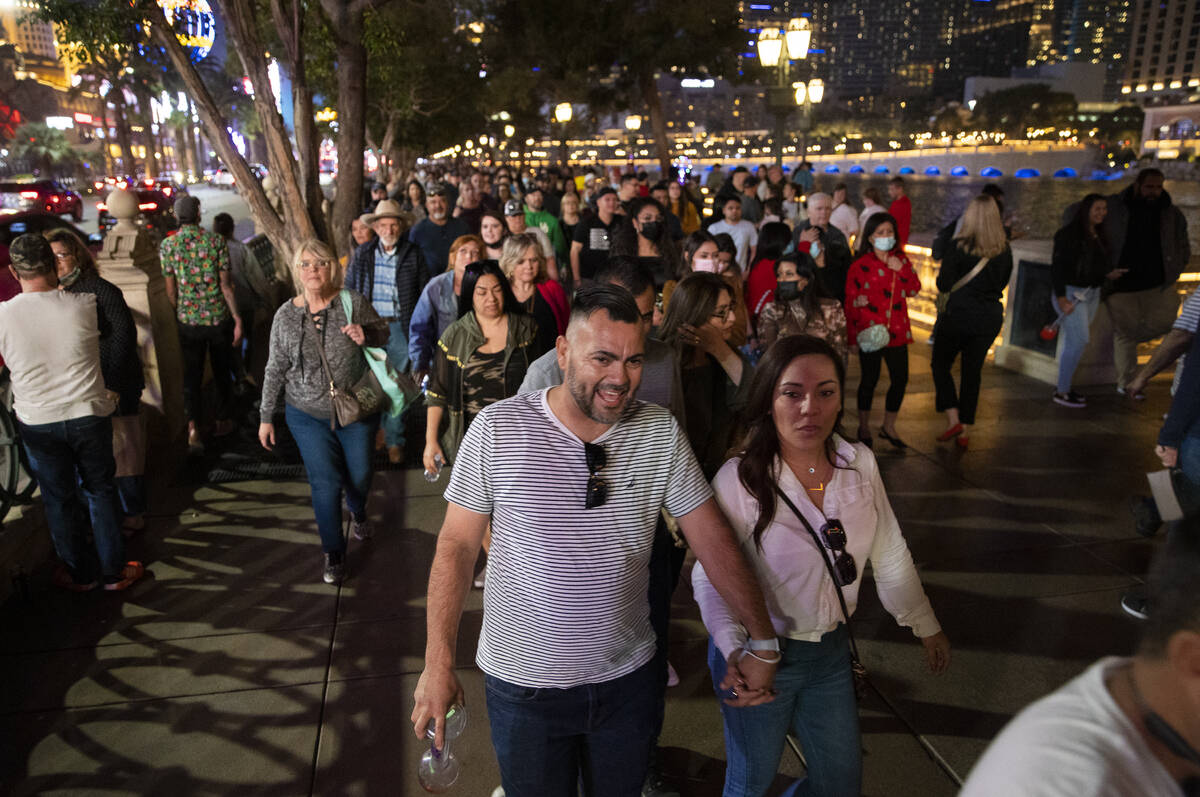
pixel 778 656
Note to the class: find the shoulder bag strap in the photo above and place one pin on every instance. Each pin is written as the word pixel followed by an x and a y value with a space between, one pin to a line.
pixel 320 349
pixel 828 566
pixel 972 274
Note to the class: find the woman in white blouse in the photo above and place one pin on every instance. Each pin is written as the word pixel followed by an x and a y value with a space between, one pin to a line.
pixel 793 445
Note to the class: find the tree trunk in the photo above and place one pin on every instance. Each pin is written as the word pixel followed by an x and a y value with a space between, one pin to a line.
pixel 662 146
pixel 124 142
pixel 346 20
pixel 285 233
pixel 289 21
pixel 146 115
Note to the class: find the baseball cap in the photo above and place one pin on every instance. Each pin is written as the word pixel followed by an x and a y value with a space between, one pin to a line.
pixel 605 191
pixel 187 207
pixel 378 187
pixel 436 189
pixel 513 208
pixel 31 252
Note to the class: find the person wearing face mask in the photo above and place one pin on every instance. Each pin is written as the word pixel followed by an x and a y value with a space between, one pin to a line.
pixel 643 234
pixel 797 307
pixel 772 243
pixel 876 290
pixel 826 244
pixel 974 272
pixel 703 253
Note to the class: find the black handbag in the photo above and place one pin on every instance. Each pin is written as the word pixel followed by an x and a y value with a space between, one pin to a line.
pixel 364 398
pixel 856 667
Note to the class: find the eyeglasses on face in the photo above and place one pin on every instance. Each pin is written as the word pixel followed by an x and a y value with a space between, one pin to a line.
pixel 597 488
pixel 63 255
pixel 722 315
pixel 833 533
pixel 314 265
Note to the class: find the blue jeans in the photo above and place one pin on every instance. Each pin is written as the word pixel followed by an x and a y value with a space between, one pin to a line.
pixel 1074 331
pixel 397 354
pixel 57 452
pixel 131 495
pixel 334 459
pixel 816 703
pixel 548 740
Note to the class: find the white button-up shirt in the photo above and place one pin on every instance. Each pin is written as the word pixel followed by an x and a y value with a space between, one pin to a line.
pixel 800 596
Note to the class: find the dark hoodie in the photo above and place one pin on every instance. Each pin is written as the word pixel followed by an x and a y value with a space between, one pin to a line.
pixel 1148 238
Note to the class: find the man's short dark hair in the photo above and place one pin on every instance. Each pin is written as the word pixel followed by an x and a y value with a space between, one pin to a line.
pixel 1148 172
pixel 1174 601
pixel 840 187
pixel 661 185
pixel 627 272
pixel 897 180
pixel 223 225
pixel 628 177
pixel 617 302
pixel 731 198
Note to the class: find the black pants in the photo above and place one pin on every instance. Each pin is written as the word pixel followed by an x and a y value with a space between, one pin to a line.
pixel 871 362
pixel 666 563
pixel 947 345
pixel 217 342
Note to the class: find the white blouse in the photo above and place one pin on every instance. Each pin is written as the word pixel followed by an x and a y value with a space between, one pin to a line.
pixel 800 596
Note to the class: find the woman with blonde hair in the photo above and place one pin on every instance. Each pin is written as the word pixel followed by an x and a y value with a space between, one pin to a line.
pixel 974 273
pixel 523 263
pixel 313 342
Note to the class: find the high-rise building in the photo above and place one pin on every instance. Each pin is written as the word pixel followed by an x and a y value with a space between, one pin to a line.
pixel 1098 33
pixel 1162 63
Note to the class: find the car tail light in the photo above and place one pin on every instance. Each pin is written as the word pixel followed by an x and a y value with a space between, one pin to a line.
pixel 148 182
pixel 29 195
pixel 101 206
pixel 148 206
pixel 56 198
pixel 168 190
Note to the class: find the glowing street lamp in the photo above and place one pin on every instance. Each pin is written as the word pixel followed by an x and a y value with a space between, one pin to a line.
pixel 776 50
pixel 798 36
pixel 770 47
pixel 562 113
pixel 633 122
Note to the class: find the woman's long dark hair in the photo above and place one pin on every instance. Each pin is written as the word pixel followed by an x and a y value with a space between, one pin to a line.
pixel 806 269
pixel 773 238
pixel 873 222
pixel 761 447
pixel 625 236
pixel 504 233
pixel 480 268
pixel 1079 222
pixel 690 244
pixel 693 302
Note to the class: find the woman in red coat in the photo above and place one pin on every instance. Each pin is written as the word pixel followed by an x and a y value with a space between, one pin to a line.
pixel 876 287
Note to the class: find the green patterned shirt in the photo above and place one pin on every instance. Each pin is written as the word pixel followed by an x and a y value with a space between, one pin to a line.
pixel 195 258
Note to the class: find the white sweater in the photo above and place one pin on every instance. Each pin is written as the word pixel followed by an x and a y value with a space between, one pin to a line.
pixel 51 344
pixel 801 598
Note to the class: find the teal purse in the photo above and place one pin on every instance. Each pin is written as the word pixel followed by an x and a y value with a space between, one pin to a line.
pixel 400 389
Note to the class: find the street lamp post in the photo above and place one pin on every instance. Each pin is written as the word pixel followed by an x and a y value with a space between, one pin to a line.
pixel 776 49
pixel 562 115
pixel 633 123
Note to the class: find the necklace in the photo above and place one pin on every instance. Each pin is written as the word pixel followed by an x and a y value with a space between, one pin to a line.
pixel 821 486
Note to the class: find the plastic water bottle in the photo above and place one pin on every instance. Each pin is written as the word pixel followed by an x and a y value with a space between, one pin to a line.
pixel 432 475
pixel 439 769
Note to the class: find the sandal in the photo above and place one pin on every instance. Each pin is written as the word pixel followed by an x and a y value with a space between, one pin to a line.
pixel 130 573
pixel 895 441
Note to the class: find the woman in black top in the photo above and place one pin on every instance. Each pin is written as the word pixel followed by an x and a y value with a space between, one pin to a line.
pixel 643 234
pixel 535 293
pixel 119 361
pixel 1081 264
pixel 973 314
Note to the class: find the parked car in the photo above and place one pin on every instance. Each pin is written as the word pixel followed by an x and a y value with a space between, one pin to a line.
pixel 223 177
pixel 40 196
pixel 156 211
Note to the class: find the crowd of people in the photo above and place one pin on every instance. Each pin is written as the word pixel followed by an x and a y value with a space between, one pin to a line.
pixel 676 377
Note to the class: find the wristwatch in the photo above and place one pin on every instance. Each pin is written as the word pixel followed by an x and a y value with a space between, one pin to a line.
pixel 763 644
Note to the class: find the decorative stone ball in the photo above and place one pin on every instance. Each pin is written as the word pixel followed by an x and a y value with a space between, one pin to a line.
pixel 122 204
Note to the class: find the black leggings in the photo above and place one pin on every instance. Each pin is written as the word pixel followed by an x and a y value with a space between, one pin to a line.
pixel 896 358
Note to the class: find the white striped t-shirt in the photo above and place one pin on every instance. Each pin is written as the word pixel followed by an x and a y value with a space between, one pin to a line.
pixel 565 598
pixel 1189 316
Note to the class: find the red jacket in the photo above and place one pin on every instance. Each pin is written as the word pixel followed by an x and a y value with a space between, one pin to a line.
pixel 901 210
pixel 870 277
pixel 556 297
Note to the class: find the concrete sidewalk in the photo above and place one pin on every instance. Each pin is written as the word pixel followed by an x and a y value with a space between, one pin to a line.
pixel 231 669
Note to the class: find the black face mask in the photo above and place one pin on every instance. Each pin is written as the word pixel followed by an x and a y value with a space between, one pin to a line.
pixel 651 230
pixel 786 291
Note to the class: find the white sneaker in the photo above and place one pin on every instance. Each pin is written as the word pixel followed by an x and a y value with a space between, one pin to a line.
pixel 498 792
pixel 672 676
pixel 481 578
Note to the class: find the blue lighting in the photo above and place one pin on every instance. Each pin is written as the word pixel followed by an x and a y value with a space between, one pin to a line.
pixel 907 170
pixel 1026 174
pixel 882 170
pixel 759 7
pixel 832 170
pixel 1067 172
pixel 933 171
pixel 959 171
pixel 991 171
pixel 855 169
pixel 749 55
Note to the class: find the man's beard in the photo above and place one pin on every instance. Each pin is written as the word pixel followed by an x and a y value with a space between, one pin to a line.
pixel 583 399
pixel 389 242
pixel 438 215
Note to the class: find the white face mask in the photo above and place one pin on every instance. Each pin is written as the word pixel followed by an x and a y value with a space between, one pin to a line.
pixel 885 244
pixel 814 249
pixel 709 265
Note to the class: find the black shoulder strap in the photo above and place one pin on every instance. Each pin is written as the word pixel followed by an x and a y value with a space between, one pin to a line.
pixel 828 566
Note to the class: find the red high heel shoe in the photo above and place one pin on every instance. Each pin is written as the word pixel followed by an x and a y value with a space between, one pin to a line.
pixel 951 433
pixel 961 442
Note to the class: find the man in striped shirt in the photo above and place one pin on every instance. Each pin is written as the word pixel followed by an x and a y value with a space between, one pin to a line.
pixel 572 480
